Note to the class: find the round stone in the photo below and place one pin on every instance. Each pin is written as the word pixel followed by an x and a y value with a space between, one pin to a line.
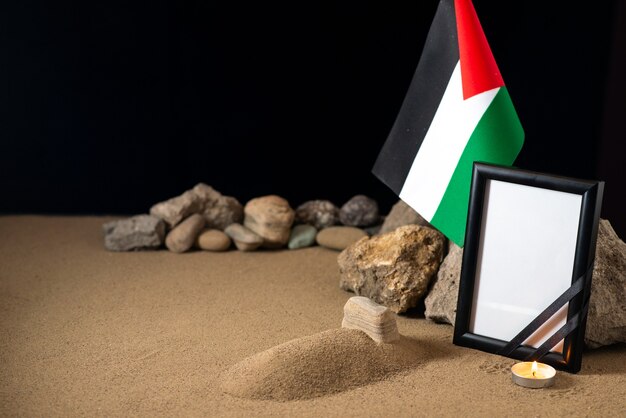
pixel 245 239
pixel 213 240
pixel 302 236
pixel 359 211
pixel 339 237
pixel 246 246
pixel 319 213
pixel 182 237
pixel 270 217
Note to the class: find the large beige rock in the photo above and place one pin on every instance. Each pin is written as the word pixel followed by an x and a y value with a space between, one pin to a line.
pixel 606 321
pixel 373 319
pixel 402 214
pixel 442 298
pixel 393 269
pixel 270 217
pixel 182 237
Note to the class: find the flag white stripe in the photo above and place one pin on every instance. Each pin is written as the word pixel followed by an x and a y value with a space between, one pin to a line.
pixel 443 145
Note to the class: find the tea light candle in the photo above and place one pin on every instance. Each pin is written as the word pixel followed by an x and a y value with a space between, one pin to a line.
pixel 533 375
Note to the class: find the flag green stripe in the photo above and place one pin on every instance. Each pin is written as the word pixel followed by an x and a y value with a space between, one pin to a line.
pixel 497 139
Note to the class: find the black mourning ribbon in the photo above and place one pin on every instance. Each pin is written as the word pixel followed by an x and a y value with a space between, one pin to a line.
pixel 564 331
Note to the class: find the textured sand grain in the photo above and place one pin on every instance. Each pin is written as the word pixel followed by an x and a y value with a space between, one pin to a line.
pixel 321 364
pixel 86 332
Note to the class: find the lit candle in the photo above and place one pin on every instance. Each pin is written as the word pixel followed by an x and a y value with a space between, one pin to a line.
pixel 533 375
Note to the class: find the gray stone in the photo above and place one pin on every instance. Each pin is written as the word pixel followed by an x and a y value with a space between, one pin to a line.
pixel 137 233
pixel 442 297
pixel 174 210
pixel 359 211
pixel 244 238
pixel 339 237
pixel 182 237
pixel 302 236
pixel 218 210
pixel 606 320
pixel 270 217
pixel 319 213
pixel 402 214
pixel 213 240
pixel 373 319
pixel 393 269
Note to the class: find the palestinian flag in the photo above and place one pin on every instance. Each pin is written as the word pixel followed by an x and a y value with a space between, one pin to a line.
pixel 456 111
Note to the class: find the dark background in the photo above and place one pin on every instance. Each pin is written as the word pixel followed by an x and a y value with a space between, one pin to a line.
pixel 111 107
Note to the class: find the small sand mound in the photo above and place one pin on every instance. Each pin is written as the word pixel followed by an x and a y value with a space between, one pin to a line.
pixel 321 364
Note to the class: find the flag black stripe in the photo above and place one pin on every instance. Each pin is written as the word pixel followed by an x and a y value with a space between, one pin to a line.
pixel 439 57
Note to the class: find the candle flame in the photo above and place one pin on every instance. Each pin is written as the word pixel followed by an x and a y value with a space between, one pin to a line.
pixel 534 368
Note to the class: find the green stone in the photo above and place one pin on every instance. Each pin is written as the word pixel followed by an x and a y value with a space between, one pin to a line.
pixel 302 236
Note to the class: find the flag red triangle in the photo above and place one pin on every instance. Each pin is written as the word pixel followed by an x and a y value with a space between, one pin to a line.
pixel 479 70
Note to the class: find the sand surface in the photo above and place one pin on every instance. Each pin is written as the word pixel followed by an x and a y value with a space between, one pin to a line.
pixel 321 364
pixel 88 332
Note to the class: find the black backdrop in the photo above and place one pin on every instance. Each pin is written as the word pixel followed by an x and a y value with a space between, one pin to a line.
pixel 112 107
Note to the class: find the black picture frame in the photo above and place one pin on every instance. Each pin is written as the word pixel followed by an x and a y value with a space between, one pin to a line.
pixel 477 241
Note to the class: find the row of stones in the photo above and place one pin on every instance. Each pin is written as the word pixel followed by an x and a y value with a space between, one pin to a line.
pixel 191 233
pixel 204 218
